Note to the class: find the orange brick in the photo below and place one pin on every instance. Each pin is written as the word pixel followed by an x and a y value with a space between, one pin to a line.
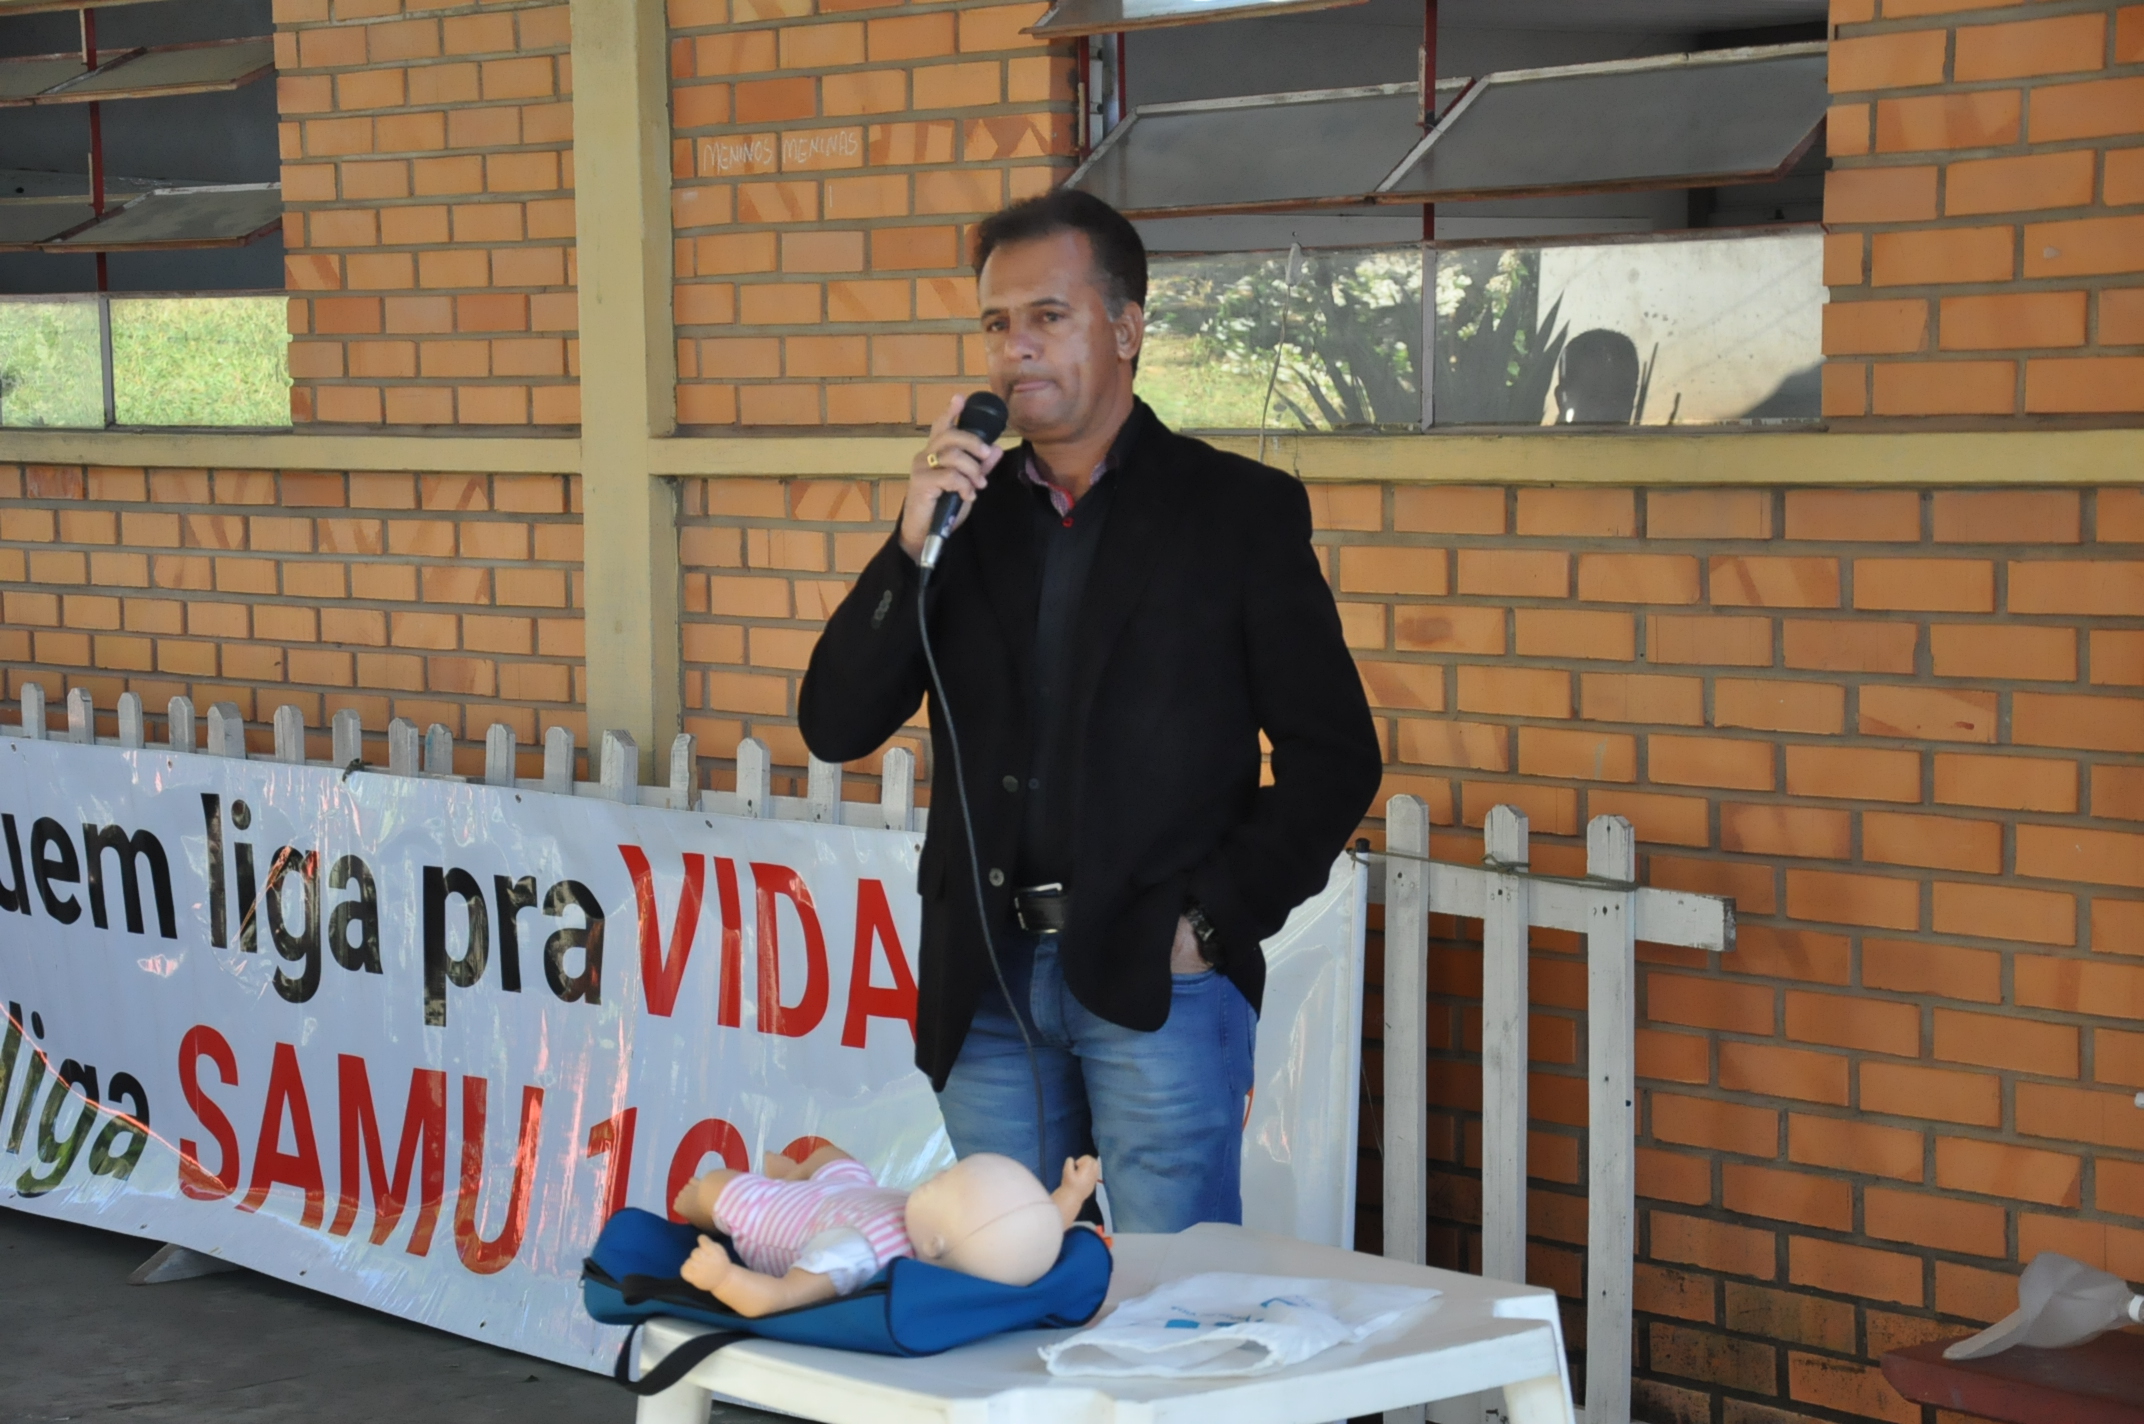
pixel 2006 1041
pixel 2021 184
pixel 2004 651
pixel 2118 791
pixel 881 91
pixel 1449 509
pixel 1773 582
pixel 2080 723
pixel 1779 706
pixel 1987 118
pixel 1945 388
pixel 2121 311
pixel 2006 516
pixel 1411 687
pixel 2013 1173
pixel 2089 386
pixel 1912 967
pixel 1945 256
pixel 1801 831
pixel 1837 897
pixel 2006 783
pixel 1888 516
pixel 2086 246
pixel 1906 1090
pixel 1369 568
pixel 911 37
pixel 1562 633
pixel 1853 1270
pixel 2065 44
pixel 1826 645
pixel 1709 761
pixel 1704 514
pixel 1845 259
pixel 1638 578
pixel 1578 513
pixel 1710 1003
pixel 2032 319
pixel 1851 1145
pixel 1513 573
pixel 1879 195
pixel 1510 691
pixel 1846 131
pixel 1628 697
pixel 1875 327
pixel 2078 1115
pixel 1942 842
pixel 2005 912
pixel 1941 585
pixel 1942 1223
pixel 1891 61
pixel 1731 642
pixel 1588 755
pixel 1802 1197
pixel 1714 1245
pixel 1933 714
pixel 2076 853
pixel 1474 745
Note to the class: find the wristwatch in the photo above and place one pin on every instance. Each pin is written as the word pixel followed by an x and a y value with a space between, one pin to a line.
pixel 1209 938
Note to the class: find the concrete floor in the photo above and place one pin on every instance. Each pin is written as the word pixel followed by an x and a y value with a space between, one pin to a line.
pixel 77 1342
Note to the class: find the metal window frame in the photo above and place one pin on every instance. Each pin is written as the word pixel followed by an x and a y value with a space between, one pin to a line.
pixel 74 241
pixel 1044 28
pixel 1388 192
pixel 1121 134
pixel 82 88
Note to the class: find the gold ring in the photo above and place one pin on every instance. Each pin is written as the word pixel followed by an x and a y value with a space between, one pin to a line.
pixel 930 457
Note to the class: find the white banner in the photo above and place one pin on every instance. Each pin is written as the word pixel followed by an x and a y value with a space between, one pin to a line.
pixel 409 1041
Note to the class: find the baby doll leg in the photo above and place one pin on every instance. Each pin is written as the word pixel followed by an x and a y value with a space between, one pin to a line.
pixel 696 1199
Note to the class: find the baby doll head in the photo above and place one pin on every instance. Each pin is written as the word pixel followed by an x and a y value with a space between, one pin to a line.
pixel 986 1216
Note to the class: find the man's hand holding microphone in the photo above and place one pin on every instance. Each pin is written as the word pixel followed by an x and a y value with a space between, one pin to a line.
pixel 949 472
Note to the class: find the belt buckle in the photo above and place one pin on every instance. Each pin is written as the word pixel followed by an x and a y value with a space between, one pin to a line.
pixel 1022 898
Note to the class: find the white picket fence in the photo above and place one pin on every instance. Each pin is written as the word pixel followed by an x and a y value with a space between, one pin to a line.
pixel 1608 907
pixel 1613 912
pixel 430 753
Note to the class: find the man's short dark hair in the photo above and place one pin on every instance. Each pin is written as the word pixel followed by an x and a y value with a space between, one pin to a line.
pixel 1119 255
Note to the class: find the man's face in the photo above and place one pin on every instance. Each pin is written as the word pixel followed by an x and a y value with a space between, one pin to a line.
pixel 1056 355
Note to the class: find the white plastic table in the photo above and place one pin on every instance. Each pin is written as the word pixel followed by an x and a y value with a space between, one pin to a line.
pixel 1482 1335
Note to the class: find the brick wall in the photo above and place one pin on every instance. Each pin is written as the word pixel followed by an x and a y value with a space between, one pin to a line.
pixel 427 182
pixel 830 162
pixel 1985 209
pixel 1904 730
pixel 441 598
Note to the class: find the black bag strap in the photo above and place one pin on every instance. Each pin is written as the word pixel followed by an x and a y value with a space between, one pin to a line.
pixel 673 1366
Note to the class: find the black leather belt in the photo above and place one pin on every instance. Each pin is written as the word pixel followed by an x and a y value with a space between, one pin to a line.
pixel 1042 909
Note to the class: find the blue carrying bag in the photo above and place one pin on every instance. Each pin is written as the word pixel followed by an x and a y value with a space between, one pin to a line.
pixel 908 1308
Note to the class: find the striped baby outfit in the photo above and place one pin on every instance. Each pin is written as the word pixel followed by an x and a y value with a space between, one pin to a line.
pixel 840 1223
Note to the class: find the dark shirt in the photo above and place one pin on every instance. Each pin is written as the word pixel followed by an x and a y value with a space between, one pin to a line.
pixel 1066 536
pixel 1067 544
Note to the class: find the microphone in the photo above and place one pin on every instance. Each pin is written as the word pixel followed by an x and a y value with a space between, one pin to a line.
pixel 984 416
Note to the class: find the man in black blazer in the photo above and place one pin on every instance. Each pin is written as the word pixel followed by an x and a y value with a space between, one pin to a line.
pixel 1120 615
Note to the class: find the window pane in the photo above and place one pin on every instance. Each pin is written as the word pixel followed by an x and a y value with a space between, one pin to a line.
pixel 200 361
pixel 1677 332
pixel 1339 349
pixel 1679 121
pixel 51 371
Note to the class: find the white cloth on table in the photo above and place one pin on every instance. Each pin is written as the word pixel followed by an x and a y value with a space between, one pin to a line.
pixel 1224 1323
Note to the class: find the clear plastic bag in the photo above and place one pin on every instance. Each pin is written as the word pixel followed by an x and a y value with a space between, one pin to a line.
pixel 2060 1302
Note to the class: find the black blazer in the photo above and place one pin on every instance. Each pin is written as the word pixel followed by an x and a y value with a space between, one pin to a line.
pixel 1206 620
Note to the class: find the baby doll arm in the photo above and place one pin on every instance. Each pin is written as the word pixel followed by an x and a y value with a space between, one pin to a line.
pixel 1081 1175
pixel 748 1292
pixel 696 1200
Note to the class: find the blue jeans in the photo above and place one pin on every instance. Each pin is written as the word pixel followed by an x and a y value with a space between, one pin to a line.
pixel 1163 1110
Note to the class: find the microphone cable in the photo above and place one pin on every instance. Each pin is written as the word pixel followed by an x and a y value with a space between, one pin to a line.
pixel 975 872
